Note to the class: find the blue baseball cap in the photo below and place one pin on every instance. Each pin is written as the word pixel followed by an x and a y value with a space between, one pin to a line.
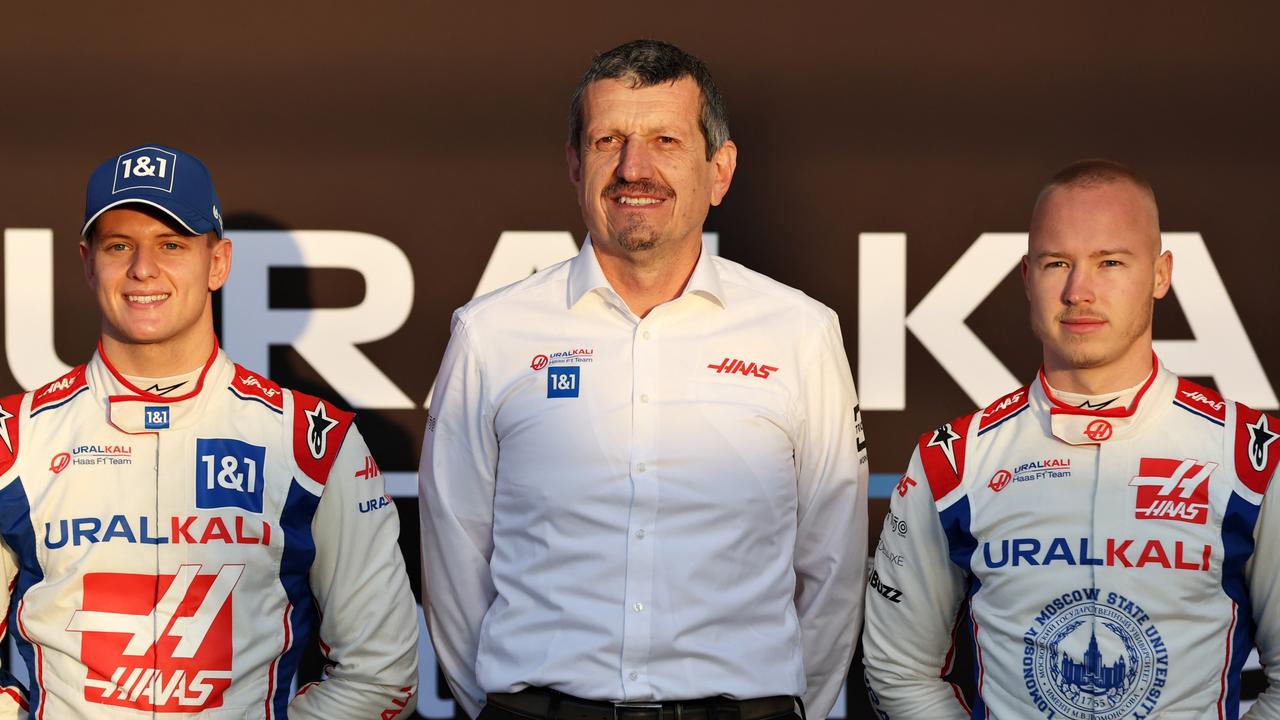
pixel 162 177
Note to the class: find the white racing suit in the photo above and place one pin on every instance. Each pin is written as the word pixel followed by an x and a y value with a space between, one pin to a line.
pixel 171 557
pixel 1117 563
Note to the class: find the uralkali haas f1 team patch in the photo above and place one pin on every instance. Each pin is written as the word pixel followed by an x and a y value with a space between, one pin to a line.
pixel 160 644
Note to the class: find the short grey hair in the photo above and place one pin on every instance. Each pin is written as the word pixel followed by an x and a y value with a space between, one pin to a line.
pixel 652 62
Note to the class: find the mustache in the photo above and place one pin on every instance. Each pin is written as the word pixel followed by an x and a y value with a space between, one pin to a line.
pixel 643 186
pixel 1067 315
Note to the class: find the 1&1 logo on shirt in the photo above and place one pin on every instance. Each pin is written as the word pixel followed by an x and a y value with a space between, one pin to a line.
pixel 563 382
pixel 155 417
pixel 229 473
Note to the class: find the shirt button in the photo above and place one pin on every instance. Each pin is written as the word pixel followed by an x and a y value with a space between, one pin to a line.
pixel 644 397
pixel 634 675
pixel 645 335
pixel 640 534
pixel 638 607
pixel 640 467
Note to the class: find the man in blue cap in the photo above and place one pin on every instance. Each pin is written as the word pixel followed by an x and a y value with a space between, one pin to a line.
pixel 174 528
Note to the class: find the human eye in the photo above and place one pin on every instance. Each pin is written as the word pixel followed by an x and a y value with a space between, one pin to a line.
pixel 667 140
pixel 607 142
pixel 1112 262
pixel 1054 264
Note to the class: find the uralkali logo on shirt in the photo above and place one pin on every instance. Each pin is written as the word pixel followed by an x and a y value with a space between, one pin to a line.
pixel 572 356
pixel 203 529
pixel 157 643
pixel 1048 468
pixel 105 454
pixel 1173 490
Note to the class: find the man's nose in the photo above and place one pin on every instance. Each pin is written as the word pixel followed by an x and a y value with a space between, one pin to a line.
pixel 143 264
pixel 1079 288
pixel 636 162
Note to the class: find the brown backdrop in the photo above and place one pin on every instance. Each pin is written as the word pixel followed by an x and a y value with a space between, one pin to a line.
pixel 439 126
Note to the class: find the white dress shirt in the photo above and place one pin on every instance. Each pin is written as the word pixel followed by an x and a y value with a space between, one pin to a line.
pixel 644 509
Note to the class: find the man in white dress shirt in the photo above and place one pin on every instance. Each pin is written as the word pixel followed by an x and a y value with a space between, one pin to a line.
pixel 643 481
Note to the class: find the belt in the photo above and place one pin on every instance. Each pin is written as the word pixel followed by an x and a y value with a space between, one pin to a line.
pixel 546 704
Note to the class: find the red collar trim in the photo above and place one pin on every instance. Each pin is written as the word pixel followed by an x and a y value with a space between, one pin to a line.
pixel 1065 409
pixel 140 394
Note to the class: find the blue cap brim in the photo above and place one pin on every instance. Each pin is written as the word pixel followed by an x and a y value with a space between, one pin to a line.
pixel 192 223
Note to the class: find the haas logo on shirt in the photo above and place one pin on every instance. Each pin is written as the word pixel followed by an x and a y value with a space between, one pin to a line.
pixel 1173 490
pixel 157 643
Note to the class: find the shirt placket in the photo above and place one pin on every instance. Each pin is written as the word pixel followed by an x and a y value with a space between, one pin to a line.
pixel 637 626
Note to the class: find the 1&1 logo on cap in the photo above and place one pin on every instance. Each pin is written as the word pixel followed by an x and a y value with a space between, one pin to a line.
pixel 229 473
pixel 563 381
pixel 146 167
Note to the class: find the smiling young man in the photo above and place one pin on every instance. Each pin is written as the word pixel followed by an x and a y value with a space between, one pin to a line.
pixel 643 482
pixel 1109 524
pixel 175 529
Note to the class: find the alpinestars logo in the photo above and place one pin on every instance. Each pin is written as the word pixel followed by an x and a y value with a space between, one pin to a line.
pixel 1173 490
pixel 1100 405
pixel 170 655
pixel 4 429
pixel 318 426
pixel 944 438
pixel 1260 439
pixel 156 388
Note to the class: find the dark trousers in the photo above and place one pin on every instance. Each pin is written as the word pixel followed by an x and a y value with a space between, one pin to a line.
pixel 493 711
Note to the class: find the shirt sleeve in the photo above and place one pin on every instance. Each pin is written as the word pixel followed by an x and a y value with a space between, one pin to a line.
pixel 831 536
pixel 1263 577
pixel 368 626
pixel 13 698
pixel 913 597
pixel 457 478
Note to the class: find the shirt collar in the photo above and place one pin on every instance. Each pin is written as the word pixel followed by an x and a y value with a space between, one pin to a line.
pixel 586 275
pixel 134 410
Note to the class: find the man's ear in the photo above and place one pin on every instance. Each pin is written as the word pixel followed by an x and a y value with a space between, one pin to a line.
pixel 1164 275
pixel 725 161
pixel 220 264
pixel 86 257
pixel 574 162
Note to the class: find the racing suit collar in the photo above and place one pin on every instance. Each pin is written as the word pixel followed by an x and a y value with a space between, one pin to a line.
pixel 1092 425
pixel 133 410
